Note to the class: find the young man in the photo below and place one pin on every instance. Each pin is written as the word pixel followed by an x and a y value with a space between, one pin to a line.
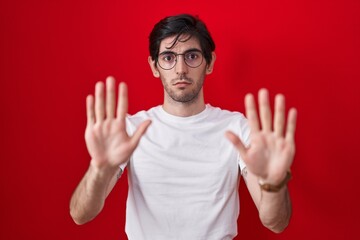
pixel 184 173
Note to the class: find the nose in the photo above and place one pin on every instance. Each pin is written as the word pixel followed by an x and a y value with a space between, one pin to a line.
pixel 181 67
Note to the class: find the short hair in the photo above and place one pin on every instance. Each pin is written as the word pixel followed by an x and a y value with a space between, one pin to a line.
pixel 181 25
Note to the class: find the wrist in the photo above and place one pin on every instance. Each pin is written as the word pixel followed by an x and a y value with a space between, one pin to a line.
pixel 268 187
pixel 103 171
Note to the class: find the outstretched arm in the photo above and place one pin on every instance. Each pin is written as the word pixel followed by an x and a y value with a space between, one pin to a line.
pixel 269 158
pixel 108 145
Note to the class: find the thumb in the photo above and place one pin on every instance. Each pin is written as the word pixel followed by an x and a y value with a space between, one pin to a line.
pixel 238 144
pixel 139 132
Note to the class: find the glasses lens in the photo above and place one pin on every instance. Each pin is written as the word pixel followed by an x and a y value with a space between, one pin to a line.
pixel 167 60
pixel 193 58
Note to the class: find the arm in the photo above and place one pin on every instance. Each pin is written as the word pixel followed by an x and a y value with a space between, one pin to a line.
pixel 108 145
pixel 89 197
pixel 274 207
pixel 268 158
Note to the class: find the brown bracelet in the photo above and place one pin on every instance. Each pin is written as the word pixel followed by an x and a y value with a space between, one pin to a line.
pixel 272 188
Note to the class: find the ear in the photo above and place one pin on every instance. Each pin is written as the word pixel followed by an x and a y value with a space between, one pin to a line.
pixel 210 67
pixel 153 67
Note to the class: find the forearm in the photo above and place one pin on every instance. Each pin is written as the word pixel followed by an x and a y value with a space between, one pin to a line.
pixel 275 209
pixel 89 197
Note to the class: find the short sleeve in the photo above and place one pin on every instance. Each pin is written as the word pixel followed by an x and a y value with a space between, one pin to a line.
pixel 245 138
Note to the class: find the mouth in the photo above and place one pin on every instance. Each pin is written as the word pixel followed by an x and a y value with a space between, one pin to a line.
pixel 181 84
pixel 182 81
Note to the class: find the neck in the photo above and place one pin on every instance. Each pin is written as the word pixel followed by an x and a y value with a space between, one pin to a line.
pixel 184 109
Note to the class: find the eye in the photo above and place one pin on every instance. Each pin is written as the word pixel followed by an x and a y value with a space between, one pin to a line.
pixel 192 56
pixel 168 57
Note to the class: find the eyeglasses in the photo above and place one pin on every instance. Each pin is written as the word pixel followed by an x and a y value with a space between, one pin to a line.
pixel 193 58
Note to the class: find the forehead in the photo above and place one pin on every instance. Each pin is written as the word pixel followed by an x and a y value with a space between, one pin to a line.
pixel 184 43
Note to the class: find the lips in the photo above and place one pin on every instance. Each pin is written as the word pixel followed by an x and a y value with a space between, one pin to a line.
pixel 182 80
pixel 182 83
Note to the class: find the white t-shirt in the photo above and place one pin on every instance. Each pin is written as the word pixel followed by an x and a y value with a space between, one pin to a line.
pixel 184 176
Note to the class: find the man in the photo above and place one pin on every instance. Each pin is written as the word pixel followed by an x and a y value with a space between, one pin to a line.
pixel 184 173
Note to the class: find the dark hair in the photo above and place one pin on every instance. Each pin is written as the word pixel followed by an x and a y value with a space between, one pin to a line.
pixel 181 25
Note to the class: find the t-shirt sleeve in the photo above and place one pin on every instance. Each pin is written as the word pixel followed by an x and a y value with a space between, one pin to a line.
pixel 245 138
pixel 132 122
pixel 130 131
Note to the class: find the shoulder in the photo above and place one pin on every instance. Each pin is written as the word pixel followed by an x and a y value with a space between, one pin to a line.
pixel 132 121
pixel 223 114
pixel 144 114
pixel 233 120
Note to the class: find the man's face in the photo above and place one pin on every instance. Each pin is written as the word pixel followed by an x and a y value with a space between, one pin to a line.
pixel 181 83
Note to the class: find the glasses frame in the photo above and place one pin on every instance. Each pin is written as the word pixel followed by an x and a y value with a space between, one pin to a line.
pixel 181 54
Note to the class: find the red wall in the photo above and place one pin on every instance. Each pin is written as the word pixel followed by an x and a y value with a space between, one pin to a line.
pixel 52 53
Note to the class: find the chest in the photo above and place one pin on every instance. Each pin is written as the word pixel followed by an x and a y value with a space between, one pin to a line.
pixel 178 160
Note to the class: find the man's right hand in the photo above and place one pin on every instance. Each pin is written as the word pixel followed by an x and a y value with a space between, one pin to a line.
pixel 106 138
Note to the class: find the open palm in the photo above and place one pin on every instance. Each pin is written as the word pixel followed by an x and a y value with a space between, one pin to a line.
pixel 272 148
pixel 106 138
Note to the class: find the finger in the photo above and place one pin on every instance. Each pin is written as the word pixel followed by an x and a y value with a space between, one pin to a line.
pixel 279 115
pixel 90 110
pixel 264 109
pixel 235 140
pixel 110 97
pixel 291 125
pixel 122 107
pixel 99 101
pixel 140 132
pixel 251 113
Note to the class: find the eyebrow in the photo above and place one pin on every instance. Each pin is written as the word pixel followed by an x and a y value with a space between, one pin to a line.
pixel 186 51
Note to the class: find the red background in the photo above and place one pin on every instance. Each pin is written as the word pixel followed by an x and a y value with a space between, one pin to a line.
pixel 53 52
